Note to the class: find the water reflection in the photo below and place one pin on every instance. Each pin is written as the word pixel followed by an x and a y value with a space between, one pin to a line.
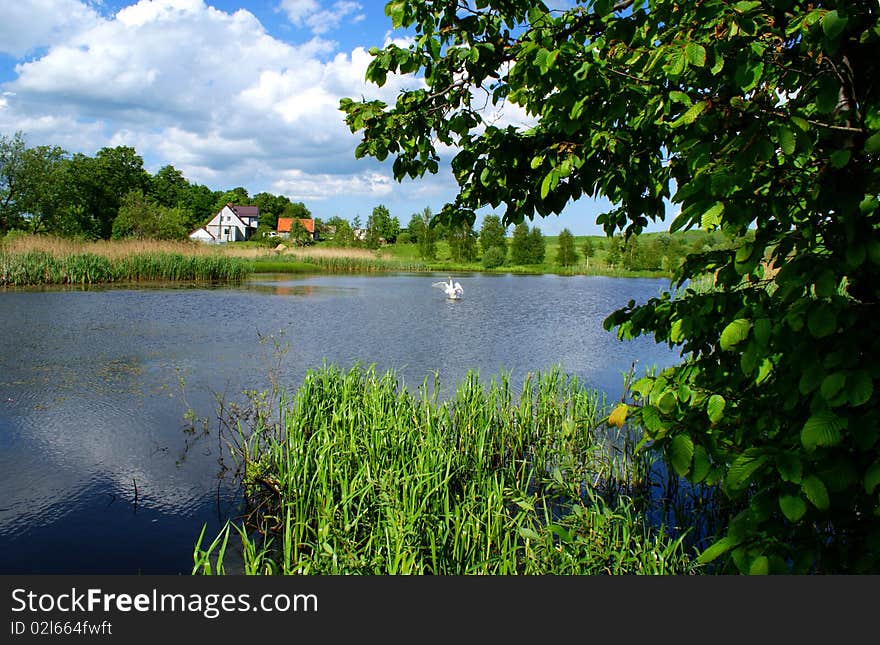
pixel 95 386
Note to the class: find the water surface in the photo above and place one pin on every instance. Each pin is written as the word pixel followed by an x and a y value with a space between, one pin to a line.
pixel 95 468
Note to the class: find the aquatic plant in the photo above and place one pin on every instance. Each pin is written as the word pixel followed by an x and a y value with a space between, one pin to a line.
pixel 355 473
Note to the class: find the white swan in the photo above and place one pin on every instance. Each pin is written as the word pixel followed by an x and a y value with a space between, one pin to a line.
pixel 453 289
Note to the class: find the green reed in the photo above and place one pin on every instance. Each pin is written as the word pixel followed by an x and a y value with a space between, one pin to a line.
pixel 43 268
pixel 355 474
pixel 350 264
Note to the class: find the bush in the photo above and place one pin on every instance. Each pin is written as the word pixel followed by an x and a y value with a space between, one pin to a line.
pixel 493 257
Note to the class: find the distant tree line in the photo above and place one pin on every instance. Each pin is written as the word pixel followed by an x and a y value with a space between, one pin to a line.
pixel 45 189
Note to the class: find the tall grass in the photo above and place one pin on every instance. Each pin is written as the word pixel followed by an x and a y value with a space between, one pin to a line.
pixel 35 260
pixel 358 475
pixel 336 260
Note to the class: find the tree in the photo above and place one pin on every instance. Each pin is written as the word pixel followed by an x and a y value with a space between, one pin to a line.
pixel 381 226
pixel 565 254
pixel 342 233
pixel 427 235
pixel 761 117
pixel 271 207
pixel 462 242
pixel 31 185
pixel 238 196
pixel 537 246
pixel 493 234
pixel 299 235
pixel 12 152
pixel 168 186
pixel 588 249
pixel 520 249
pixel 117 171
pixel 198 202
pixel 142 217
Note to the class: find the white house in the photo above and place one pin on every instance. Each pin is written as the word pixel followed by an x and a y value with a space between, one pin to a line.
pixel 231 224
pixel 201 234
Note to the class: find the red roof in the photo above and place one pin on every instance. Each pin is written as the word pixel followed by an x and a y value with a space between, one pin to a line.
pixel 286 223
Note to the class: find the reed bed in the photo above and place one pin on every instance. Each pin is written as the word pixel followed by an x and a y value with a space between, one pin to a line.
pixel 111 249
pixel 359 475
pixel 86 268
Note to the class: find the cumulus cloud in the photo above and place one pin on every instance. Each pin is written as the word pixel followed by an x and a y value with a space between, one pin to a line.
pixel 208 91
pixel 321 17
pixel 26 25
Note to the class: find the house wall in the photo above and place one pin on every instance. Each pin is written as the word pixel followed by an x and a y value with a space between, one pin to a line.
pixel 226 226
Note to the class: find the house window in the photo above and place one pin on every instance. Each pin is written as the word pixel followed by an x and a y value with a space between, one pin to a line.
pixel 225 231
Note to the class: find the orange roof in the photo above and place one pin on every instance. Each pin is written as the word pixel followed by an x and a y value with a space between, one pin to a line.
pixel 286 223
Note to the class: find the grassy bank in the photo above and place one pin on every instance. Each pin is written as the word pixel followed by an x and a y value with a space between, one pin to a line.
pixel 43 260
pixel 29 261
pixel 361 476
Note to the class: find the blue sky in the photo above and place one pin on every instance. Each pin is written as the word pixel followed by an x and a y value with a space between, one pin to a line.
pixel 231 92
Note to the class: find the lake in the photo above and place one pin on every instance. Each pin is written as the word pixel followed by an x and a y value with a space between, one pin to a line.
pixel 97 470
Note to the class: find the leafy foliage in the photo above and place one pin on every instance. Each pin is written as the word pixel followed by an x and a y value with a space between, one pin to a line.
pixel 565 254
pixel 493 234
pixel 760 120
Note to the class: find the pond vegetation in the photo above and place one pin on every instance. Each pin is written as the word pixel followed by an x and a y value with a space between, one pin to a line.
pixel 356 475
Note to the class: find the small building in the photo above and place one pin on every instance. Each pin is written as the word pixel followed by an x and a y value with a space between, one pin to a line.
pixel 201 234
pixel 231 224
pixel 285 225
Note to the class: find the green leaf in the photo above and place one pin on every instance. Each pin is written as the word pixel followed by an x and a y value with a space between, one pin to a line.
pixel 832 384
pixel 786 140
pixel 676 332
pixel 675 60
pixel 734 333
pixel 760 566
pixel 827 94
pixel 715 408
pixel 667 402
pixel 696 54
pixel 651 419
pixel 822 320
pixel 742 469
pixel 764 371
pixel 395 10
pixel 762 329
pixel 816 492
pixel 789 467
pixel 833 24
pixel 839 158
pixel 872 478
pixel 681 452
pixel 528 533
pixel 690 115
pixel 822 429
pixel 793 506
pixel 811 378
pixel 551 179
pixel 712 217
pixel 680 97
pixel 872 144
pixel 717 549
pixel 746 5
pixel 859 387
pixel 701 464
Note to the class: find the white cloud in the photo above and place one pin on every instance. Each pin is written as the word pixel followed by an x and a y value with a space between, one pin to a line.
pixel 321 186
pixel 211 92
pixel 319 18
pixel 26 25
